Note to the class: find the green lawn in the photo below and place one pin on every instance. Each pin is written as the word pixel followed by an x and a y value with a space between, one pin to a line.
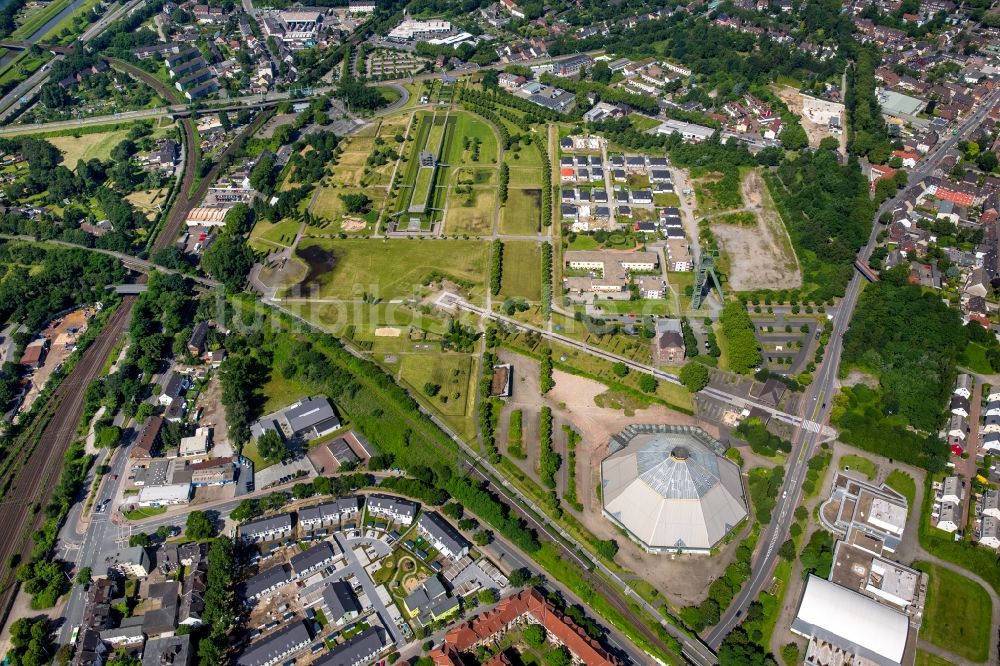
pixel 455 375
pixel 974 358
pixel 390 269
pixel 860 464
pixel 522 176
pixel 957 613
pixel 522 214
pixel 658 306
pixel 523 156
pixel 145 512
pixel 282 233
pixel 522 270
pixel 904 484
pixel 928 659
pixel 469 125
pixel 87 146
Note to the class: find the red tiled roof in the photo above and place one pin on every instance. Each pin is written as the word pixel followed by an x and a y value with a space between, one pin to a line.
pixel 467 635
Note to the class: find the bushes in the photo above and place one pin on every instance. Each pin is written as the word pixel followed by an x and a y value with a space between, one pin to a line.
pixel 496 272
pixel 690 341
pixel 415 488
pixel 548 460
pixel 545 370
pixel 572 439
pixel 816 466
pixel 546 181
pixel 647 383
pixel 764 486
pixel 722 590
pixel 515 436
pixel 546 280
pixel 504 181
pixel 478 501
pixel 744 355
pixel 762 442
pixel 817 556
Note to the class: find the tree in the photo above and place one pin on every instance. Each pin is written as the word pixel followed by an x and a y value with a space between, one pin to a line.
pixel 83 576
pixel 140 539
pixel 647 383
pixel 199 527
pixel 228 260
pixel 482 537
pixel 272 447
pixel 620 369
pixel 432 389
pixel 987 161
pixel 560 656
pixel 356 203
pixel 245 510
pixel 787 550
pixel 488 596
pixel 534 635
pixel 108 436
pixel 694 376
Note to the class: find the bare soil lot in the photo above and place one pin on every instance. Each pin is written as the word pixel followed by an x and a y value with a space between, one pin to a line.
pixel 761 257
pixel 682 579
pixel 814 114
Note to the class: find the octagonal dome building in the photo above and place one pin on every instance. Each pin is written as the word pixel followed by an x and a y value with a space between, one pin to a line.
pixel 671 488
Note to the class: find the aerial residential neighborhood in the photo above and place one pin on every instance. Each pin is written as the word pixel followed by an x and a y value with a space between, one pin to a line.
pixel 456 334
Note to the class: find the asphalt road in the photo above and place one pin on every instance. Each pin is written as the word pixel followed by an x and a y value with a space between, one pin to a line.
pixel 819 398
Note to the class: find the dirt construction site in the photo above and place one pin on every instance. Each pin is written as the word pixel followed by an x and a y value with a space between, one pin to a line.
pixel 760 256
pixel 683 579
pixel 815 114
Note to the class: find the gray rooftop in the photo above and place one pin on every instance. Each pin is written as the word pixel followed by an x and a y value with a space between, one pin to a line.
pixel 354 651
pixel 311 413
pixel 670 489
pixel 312 558
pixel 172 650
pixel 340 600
pixel 266 580
pixel 275 646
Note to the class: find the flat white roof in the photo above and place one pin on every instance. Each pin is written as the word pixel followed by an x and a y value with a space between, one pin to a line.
pixel 851 620
pixel 176 492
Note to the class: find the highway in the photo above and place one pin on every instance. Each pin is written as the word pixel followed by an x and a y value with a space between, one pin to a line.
pixel 819 398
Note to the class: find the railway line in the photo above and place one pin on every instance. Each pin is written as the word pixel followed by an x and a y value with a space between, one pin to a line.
pixel 32 483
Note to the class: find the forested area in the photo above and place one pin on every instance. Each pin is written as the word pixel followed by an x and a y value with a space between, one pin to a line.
pixel 911 341
pixel 828 212
pixel 36 282
pixel 867 134
pixel 102 182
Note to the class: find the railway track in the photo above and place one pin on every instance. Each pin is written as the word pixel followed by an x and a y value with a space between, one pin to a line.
pixel 43 455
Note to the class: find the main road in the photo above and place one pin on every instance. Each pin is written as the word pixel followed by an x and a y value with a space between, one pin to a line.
pixel 819 398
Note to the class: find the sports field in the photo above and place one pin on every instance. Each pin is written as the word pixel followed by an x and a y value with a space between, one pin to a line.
pixel 522 270
pixel 522 215
pixel 389 269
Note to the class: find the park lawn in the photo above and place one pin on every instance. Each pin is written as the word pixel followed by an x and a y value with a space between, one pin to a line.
pixel 281 233
pixel 279 392
pixel 357 321
pixel 584 242
pixel 471 126
pixel 525 156
pixel 974 358
pixel 329 205
pixel 448 370
pixel 522 270
pixel 388 269
pixel 470 214
pixel 87 146
pixel 645 306
pixel 475 176
pixel 643 123
pixel 860 464
pixel 957 613
pixel 522 214
pixel 904 484
pixel 422 186
pixel 521 176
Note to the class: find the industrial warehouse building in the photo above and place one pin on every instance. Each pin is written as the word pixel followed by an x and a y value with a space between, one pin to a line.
pixel 671 488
